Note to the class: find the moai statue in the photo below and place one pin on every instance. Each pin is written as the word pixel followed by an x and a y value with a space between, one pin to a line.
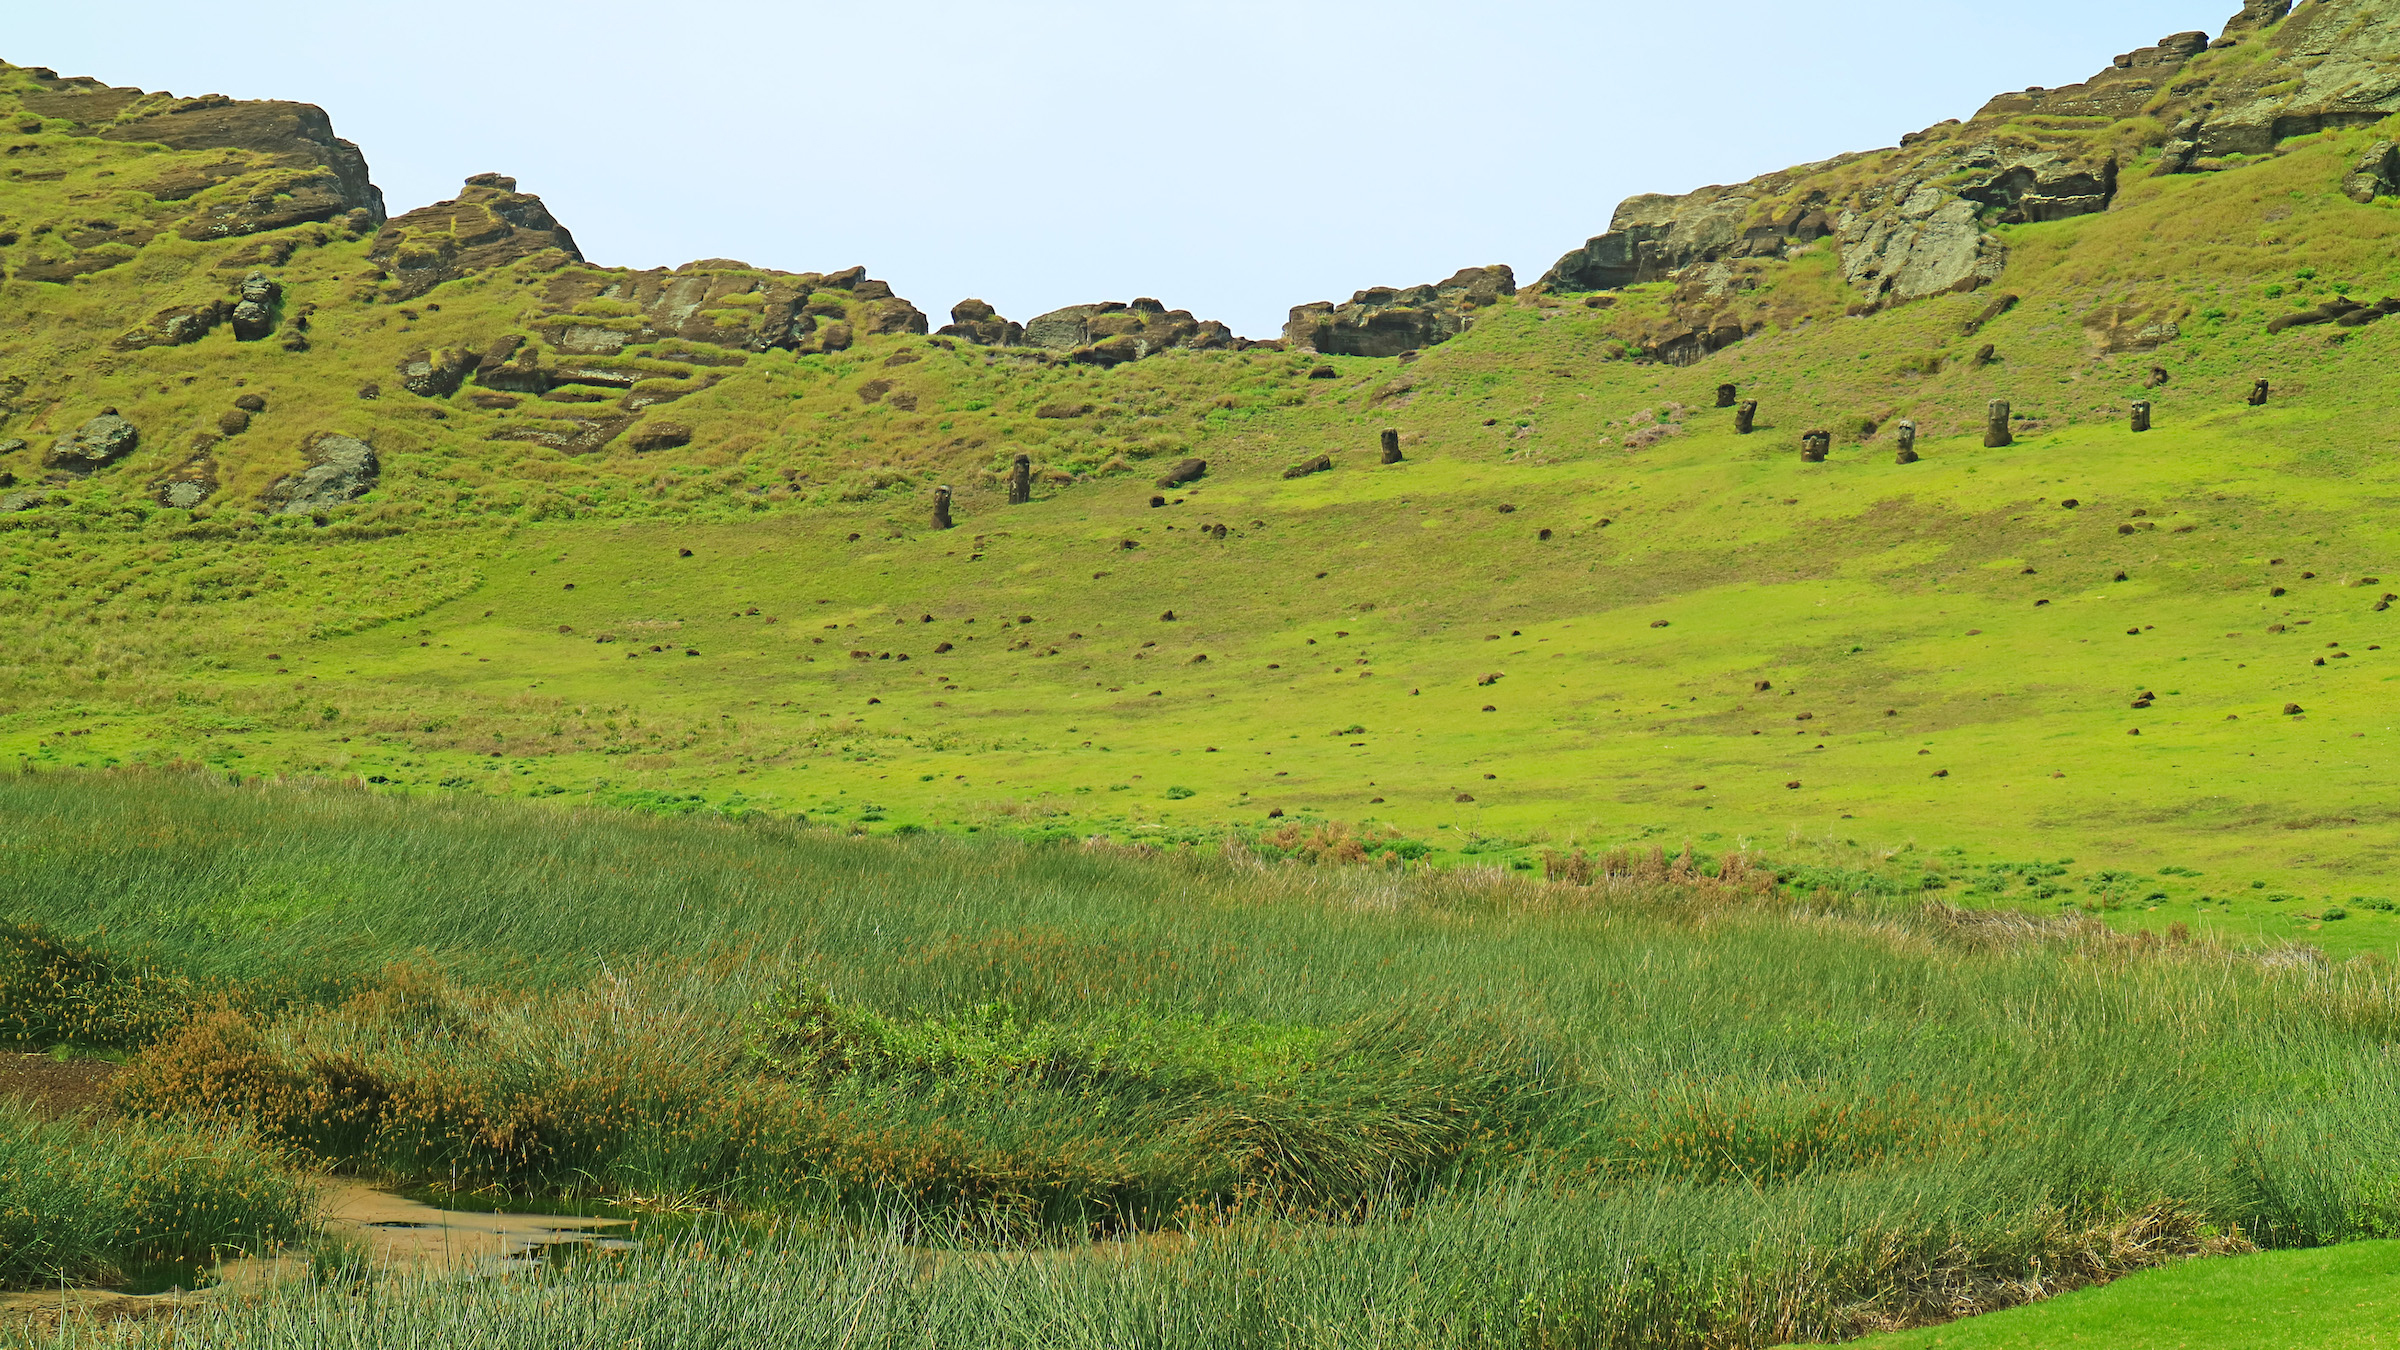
pixel 1020 481
pixel 1907 453
pixel 1745 417
pixel 1995 426
pixel 2141 415
pixel 1815 445
pixel 941 507
pixel 2158 377
pixel 1391 447
pixel 1726 394
pixel 2258 394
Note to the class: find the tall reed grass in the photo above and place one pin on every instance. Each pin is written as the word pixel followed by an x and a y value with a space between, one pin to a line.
pixel 81 1206
pixel 1465 1108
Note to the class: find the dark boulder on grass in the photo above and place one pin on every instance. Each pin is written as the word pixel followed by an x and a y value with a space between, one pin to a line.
pixel 98 442
pixel 1185 471
pixel 254 314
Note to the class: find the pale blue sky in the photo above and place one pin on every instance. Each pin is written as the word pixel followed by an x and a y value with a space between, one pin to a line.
pixel 1234 158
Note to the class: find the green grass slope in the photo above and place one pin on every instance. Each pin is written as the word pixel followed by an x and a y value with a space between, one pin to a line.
pixel 2336 1298
pixel 1952 656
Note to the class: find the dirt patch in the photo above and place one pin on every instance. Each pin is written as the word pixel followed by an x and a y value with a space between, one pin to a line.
pixel 55 1090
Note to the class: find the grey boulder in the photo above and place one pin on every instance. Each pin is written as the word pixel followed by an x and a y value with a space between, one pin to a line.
pixel 99 442
pixel 341 469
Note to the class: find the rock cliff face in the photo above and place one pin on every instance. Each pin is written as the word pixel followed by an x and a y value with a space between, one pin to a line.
pixel 723 303
pixel 489 224
pixel 1917 221
pixel 1385 321
pixel 222 169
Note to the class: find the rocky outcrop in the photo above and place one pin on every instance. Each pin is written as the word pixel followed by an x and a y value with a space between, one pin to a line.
pixel 340 470
pixel 1652 237
pixel 96 444
pixel 976 322
pixel 251 308
pixel 1919 220
pixel 488 225
pixel 177 326
pixel 302 173
pixel 432 374
pixel 2376 174
pixel 245 167
pixel 188 486
pixel 2327 65
pixel 1917 231
pixel 1111 334
pixel 725 304
pixel 2339 310
pixel 1385 321
pixel 2113 330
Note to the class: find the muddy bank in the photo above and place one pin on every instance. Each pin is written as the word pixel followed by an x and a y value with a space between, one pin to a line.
pixel 56 1090
pixel 391 1233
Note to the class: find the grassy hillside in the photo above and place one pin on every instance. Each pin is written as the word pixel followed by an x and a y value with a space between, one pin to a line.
pixel 501 615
